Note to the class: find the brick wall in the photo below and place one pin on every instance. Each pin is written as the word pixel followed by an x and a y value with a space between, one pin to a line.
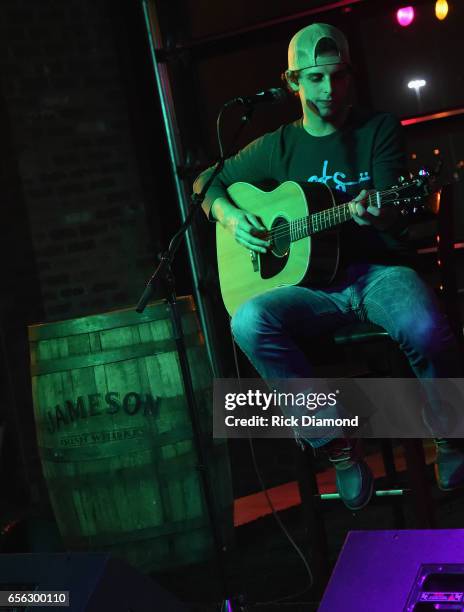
pixel 71 134
pixel 82 172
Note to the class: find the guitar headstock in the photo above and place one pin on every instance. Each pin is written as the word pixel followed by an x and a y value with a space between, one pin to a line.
pixel 415 194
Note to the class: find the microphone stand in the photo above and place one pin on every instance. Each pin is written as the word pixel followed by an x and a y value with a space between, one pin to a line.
pixel 164 277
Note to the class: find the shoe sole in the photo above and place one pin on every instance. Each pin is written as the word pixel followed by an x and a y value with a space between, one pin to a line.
pixel 459 486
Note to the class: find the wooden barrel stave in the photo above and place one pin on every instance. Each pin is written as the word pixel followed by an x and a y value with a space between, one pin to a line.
pixel 116 438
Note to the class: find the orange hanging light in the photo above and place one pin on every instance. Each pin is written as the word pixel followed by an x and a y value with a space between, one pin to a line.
pixel 441 9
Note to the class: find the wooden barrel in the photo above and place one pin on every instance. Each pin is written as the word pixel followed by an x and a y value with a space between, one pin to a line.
pixel 115 436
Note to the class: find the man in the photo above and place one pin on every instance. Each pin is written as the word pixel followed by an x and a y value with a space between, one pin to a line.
pixel 351 150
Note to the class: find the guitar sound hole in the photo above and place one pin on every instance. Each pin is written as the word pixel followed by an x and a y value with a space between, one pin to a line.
pixel 280 237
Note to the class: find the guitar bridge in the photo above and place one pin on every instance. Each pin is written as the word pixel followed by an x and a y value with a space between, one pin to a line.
pixel 254 260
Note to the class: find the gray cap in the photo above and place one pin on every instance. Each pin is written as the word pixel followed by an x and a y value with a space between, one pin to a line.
pixel 303 46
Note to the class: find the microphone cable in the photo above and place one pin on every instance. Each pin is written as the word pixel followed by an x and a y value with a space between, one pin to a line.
pixel 245 119
pixel 272 507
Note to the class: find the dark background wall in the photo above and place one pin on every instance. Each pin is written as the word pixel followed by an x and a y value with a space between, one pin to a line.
pixel 65 94
pixel 86 188
pixel 88 197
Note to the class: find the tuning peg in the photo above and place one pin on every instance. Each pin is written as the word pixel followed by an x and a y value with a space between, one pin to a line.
pixel 401 179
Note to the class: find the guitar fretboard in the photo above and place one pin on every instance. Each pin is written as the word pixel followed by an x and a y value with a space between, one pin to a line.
pixel 327 218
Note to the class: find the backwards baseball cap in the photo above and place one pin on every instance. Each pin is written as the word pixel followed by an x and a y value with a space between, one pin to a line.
pixel 302 50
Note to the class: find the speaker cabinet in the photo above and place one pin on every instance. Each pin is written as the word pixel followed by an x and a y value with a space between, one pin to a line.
pixel 95 581
pixel 382 571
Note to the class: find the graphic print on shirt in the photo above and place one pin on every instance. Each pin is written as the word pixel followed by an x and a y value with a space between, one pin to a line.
pixel 338 178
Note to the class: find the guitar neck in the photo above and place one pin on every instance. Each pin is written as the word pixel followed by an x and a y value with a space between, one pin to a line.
pixel 328 218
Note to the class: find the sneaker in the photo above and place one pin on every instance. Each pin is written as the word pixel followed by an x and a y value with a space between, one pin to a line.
pixel 449 464
pixel 355 482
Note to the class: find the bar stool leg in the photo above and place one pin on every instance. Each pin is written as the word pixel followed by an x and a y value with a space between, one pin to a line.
pixel 313 517
pixel 422 501
pixel 391 480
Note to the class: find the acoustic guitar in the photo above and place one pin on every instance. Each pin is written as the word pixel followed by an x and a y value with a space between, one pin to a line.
pixel 302 221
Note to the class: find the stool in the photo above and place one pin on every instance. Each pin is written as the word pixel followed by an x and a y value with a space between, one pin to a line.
pixel 417 493
pixel 414 451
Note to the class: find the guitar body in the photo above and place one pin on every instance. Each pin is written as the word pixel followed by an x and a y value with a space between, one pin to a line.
pixel 310 260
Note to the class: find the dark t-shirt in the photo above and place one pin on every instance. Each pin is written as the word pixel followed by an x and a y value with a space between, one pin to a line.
pixel 367 152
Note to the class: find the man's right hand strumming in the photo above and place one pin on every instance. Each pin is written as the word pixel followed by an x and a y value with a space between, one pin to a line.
pixel 245 227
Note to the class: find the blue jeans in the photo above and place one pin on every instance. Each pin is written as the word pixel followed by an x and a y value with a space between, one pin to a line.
pixel 270 327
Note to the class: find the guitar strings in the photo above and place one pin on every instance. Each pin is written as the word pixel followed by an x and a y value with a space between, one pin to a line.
pixel 316 225
pixel 328 211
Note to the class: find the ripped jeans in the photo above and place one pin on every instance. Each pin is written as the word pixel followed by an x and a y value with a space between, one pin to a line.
pixel 266 327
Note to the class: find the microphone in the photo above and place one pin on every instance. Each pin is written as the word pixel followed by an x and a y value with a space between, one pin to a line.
pixel 275 95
